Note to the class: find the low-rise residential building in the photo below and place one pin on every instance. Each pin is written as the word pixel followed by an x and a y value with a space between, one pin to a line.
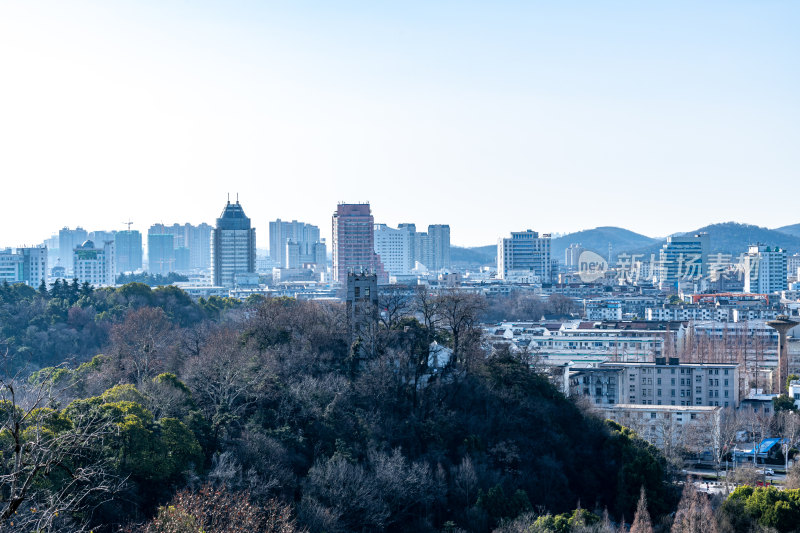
pixel 603 310
pixel 664 382
pixel 689 427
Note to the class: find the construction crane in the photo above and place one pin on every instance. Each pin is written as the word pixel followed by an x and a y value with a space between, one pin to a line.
pixel 128 223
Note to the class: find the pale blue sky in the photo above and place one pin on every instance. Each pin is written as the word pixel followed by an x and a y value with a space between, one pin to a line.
pixel 492 117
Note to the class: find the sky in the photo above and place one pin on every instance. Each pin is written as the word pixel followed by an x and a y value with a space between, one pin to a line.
pixel 489 116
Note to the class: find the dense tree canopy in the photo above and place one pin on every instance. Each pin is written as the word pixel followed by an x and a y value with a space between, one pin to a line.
pixel 286 401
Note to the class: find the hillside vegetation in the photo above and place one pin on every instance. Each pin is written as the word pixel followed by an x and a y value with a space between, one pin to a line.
pixel 270 411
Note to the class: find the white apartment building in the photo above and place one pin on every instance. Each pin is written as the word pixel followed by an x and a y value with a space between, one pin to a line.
pixel 525 250
pixel 665 382
pixel 10 266
pixel 575 340
pixel 717 313
pixel 24 265
pixel 395 248
pixel 604 310
pixel 765 270
pixel 692 427
pixel 95 265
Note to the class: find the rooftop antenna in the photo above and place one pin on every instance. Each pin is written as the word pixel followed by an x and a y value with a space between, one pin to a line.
pixel 229 197
pixel 237 197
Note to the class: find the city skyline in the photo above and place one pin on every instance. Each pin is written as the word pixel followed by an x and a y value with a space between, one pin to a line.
pixel 432 113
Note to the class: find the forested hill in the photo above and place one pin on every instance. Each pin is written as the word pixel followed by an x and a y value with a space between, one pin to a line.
pixel 734 239
pixel 269 413
pixel 599 239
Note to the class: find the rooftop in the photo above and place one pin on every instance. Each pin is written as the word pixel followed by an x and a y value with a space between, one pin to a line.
pixel 233 217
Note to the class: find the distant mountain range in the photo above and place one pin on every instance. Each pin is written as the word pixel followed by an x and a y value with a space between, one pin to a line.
pixel 598 239
pixel 727 238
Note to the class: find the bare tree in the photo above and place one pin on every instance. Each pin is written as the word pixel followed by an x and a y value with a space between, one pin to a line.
pixel 694 514
pixel 393 306
pixel 225 377
pixel 641 520
pixel 459 311
pixel 51 469
pixel 788 424
pixel 218 510
pixel 141 342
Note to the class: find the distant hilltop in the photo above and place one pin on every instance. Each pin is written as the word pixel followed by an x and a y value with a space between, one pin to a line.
pixel 726 238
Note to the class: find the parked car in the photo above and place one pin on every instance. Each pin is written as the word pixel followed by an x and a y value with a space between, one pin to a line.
pixel 767 471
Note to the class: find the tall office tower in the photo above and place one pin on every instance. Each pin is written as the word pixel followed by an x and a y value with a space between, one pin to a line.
pixel 68 240
pixel 95 265
pixel 354 242
pixel 129 250
pixel 439 237
pixel 683 258
pixel 393 246
pixel 233 246
pixel 160 252
pixel 765 269
pixel 524 252
pixel 34 265
pixel 305 236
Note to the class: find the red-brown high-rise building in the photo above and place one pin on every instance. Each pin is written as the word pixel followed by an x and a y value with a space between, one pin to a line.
pixel 354 242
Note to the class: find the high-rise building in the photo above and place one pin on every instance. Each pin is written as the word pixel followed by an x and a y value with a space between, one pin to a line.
pixel 431 249
pixel 233 246
pixel 683 258
pixel 572 255
pixel 24 265
pixel 394 247
pixel 101 236
pixel 439 237
pixel 129 250
pixel 354 242
pixel 95 265
pixel 34 265
pixel 160 252
pixel 304 238
pixel 524 253
pixel 10 266
pixel 68 240
pixel 765 269
pixel 196 239
pixel 412 239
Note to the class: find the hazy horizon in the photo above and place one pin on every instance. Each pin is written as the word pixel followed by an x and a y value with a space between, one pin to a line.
pixel 490 118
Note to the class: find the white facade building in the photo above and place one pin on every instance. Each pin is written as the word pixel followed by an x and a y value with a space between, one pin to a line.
pixel 525 250
pixel 604 310
pixel 24 265
pixel 665 382
pixel 765 270
pixel 95 265
pixel 395 248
